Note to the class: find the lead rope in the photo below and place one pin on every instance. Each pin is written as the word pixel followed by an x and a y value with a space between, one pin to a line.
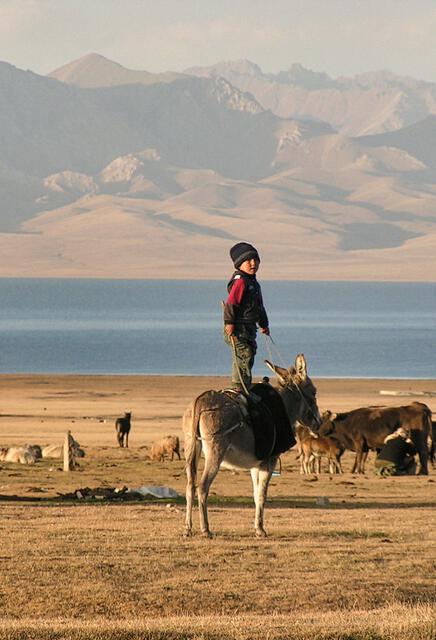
pixel 268 347
pixel 294 384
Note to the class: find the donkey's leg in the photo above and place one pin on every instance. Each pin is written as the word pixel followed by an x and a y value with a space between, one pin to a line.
pixel 265 473
pixel 255 480
pixel 192 452
pixel 213 456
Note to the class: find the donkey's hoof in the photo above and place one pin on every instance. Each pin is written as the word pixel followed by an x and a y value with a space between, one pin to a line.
pixel 261 533
pixel 207 534
pixel 188 533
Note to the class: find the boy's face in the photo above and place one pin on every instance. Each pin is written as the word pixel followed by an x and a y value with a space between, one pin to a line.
pixel 250 266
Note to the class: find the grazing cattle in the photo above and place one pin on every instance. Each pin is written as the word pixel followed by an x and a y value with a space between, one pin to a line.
pixel 168 446
pixel 312 447
pixel 21 455
pixel 57 451
pixel 366 428
pixel 122 427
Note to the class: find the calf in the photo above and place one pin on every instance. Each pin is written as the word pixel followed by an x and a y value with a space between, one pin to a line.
pixel 168 446
pixel 122 427
pixel 311 448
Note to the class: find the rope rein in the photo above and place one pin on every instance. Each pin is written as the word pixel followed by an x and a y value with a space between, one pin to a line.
pixel 292 383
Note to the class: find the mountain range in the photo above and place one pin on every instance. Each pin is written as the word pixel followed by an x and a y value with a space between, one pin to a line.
pixel 110 172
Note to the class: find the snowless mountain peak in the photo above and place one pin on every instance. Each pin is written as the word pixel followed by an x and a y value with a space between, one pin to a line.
pixel 94 70
pixel 230 67
pixel 306 78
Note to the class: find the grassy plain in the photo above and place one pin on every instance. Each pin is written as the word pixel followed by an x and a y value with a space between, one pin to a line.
pixel 361 566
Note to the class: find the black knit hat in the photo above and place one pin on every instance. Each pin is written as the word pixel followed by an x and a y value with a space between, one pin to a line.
pixel 241 252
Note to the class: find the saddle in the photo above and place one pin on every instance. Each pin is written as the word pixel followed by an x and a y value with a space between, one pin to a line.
pixel 273 433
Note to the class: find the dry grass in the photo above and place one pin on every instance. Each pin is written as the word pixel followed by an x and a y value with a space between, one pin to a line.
pixel 361 568
pixel 389 623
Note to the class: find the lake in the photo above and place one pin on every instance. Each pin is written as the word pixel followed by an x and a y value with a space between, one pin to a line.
pixel 344 329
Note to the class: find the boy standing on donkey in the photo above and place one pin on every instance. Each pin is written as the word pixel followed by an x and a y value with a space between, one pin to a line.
pixel 243 311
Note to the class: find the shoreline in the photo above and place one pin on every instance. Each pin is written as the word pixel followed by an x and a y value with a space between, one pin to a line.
pixel 165 397
pixel 201 375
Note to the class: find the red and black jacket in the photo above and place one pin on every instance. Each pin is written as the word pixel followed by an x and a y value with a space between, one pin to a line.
pixel 244 304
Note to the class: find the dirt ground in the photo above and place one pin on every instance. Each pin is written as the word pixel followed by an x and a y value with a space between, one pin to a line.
pixel 347 556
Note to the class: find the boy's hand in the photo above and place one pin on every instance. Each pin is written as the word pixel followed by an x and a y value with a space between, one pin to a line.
pixel 265 330
pixel 229 329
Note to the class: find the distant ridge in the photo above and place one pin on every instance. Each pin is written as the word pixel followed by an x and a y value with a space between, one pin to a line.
pixel 94 70
pixel 144 178
pixel 368 103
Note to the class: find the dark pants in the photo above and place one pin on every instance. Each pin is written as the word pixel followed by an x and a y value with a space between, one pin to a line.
pixel 243 346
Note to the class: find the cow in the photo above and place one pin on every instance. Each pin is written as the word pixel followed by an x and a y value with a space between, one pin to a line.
pixel 122 427
pixel 431 445
pixel 22 455
pixel 311 447
pixel 57 451
pixel 168 446
pixel 366 428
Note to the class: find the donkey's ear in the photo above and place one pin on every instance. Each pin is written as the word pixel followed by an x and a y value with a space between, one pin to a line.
pixel 281 373
pixel 300 366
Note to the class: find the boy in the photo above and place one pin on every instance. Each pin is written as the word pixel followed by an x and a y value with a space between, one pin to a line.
pixel 243 311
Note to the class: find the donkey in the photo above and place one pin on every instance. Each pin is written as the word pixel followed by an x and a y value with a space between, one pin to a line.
pixel 215 424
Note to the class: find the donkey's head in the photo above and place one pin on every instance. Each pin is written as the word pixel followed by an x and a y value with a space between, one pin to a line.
pixel 296 385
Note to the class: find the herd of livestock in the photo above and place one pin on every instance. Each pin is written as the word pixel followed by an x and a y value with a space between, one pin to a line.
pixel 169 446
pixel 363 430
pixel 360 430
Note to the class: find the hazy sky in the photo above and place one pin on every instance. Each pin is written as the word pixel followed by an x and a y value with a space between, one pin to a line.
pixel 341 37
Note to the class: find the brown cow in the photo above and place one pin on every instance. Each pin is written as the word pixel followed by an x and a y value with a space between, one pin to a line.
pixel 366 428
pixel 312 447
pixel 431 445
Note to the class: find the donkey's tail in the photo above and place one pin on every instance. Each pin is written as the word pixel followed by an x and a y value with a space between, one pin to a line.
pixel 192 444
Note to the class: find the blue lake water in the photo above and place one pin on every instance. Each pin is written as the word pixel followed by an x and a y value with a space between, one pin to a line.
pixel 175 327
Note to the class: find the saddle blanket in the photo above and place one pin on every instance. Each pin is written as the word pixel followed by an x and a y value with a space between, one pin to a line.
pixel 273 433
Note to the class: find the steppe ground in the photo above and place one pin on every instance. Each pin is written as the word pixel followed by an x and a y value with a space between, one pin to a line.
pixel 358 565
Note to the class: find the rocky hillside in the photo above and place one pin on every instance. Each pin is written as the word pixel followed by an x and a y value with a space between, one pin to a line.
pixel 365 104
pixel 156 176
